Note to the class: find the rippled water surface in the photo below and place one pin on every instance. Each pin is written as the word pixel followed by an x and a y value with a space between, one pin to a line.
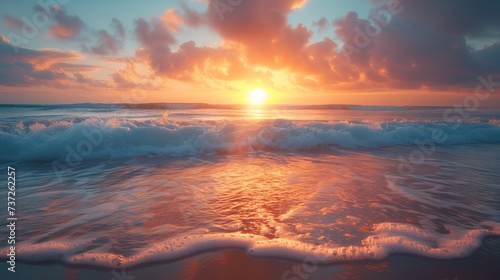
pixel 160 187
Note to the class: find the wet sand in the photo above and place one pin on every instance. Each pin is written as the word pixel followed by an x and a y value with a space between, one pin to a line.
pixel 235 264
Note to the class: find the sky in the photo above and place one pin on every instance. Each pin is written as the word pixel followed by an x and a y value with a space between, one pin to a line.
pixel 368 52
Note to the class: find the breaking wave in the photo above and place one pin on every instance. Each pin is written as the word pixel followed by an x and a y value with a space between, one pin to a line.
pixel 115 138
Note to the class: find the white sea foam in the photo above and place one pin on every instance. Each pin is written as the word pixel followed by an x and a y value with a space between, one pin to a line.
pixel 55 140
pixel 386 239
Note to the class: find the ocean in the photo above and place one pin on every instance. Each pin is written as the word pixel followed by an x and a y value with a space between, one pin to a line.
pixel 121 185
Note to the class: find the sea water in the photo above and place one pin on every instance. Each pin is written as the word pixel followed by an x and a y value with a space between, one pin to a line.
pixel 119 185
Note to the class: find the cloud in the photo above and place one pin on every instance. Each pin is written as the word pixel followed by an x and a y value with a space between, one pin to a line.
pixel 66 27
pixel 192 17
pixel 46 67
pixel 4 39
pixel 72 67
pixel 321 24
pixel 40 59
pixel 489 56
pixel 153 34
pixel 13 21
pixel 106 43
pixel 422 44
pixel 189 63
pixel 126 78
pixel 457 17
pixel 269 40
pixel 155 39
pixel 118 27
pixel 88 82
pixel 30 68
pixel 172 20
pixel 425 44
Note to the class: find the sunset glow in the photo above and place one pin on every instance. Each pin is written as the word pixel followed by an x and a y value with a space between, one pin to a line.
pixel 250 139
pixel 257 96
pixel 303 52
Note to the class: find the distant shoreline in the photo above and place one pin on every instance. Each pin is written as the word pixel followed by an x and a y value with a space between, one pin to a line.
pixel 194 106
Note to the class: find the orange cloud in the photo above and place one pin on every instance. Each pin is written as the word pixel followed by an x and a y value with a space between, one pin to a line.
pixel 172 19
pixel 45 67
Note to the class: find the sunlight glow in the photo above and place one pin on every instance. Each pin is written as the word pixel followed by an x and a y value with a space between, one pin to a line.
pixel 257 96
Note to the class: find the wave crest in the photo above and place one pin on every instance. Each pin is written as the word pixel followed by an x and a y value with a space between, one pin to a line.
pixel 101 138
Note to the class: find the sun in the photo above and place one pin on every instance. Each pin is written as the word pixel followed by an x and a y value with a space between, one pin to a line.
pixel 257 96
